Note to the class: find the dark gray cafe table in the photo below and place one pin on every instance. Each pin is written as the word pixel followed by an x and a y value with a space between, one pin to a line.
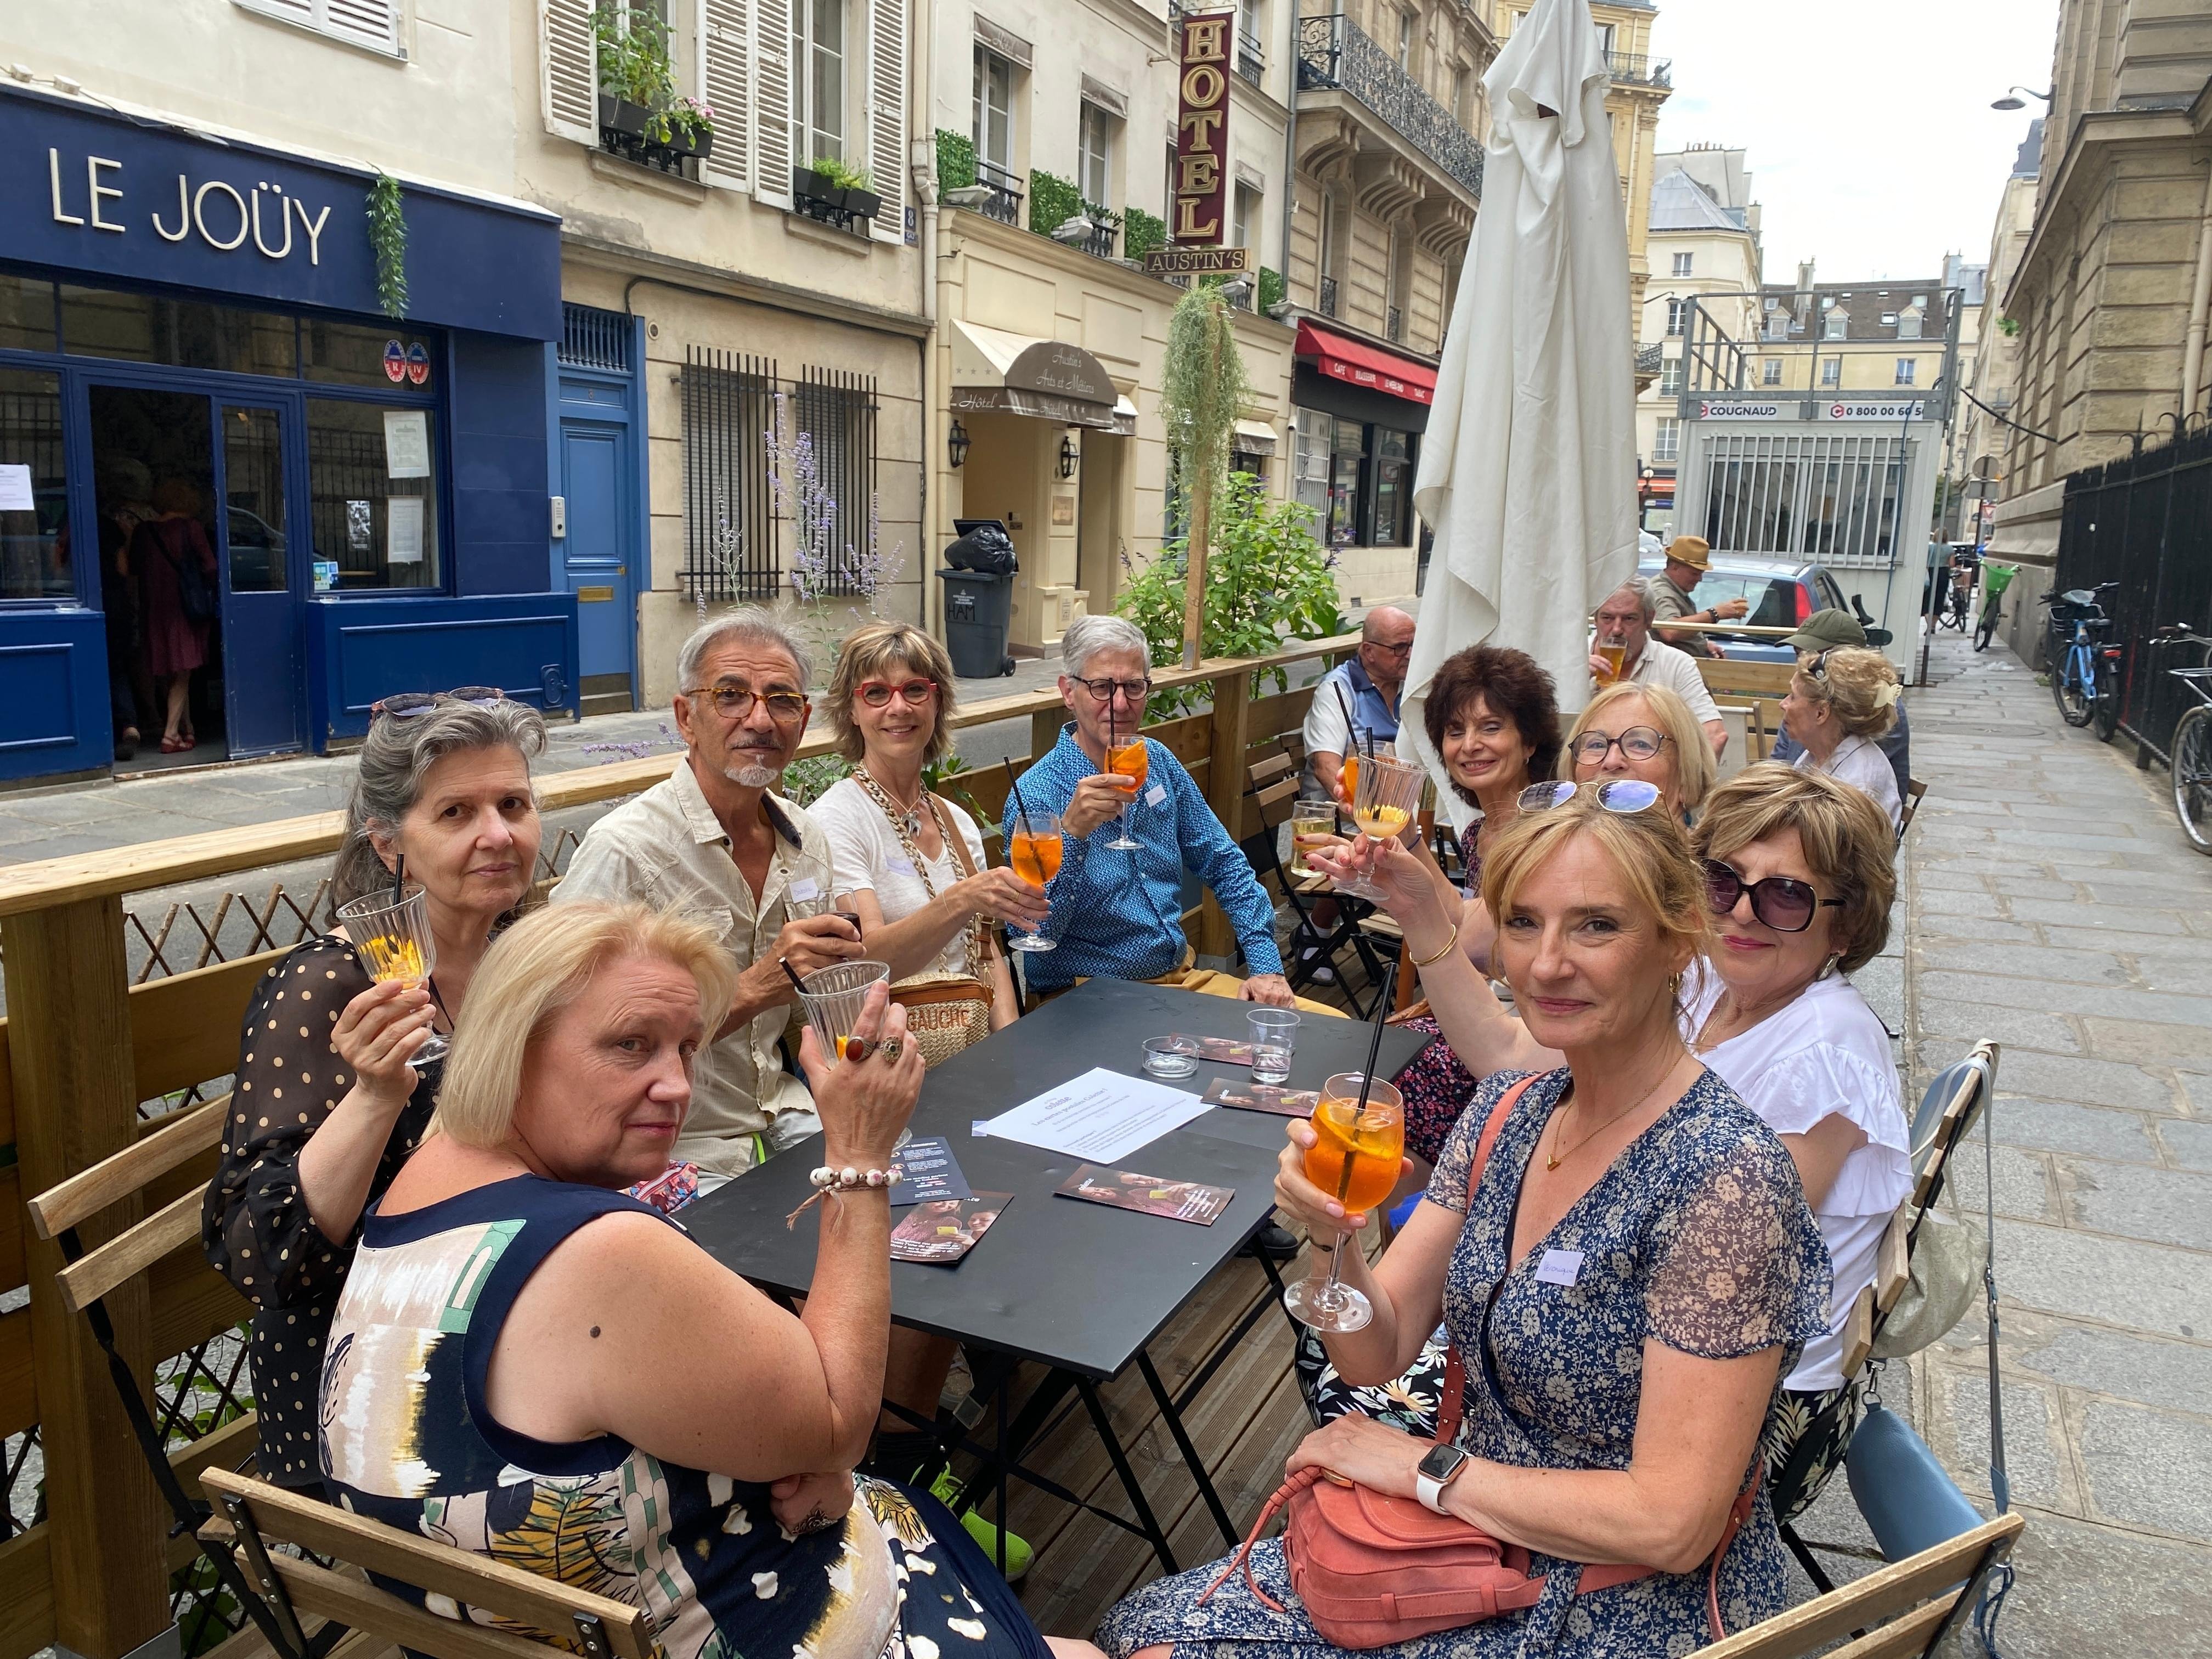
pixel 1079 1288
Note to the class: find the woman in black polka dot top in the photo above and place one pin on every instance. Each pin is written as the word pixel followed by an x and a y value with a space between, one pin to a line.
pixel 326 1106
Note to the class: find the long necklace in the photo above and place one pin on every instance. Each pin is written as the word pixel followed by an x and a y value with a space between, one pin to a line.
pixel 911 811
pixel 1555 1157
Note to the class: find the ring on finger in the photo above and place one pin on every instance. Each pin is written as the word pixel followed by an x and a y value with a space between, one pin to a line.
pixel 888 1048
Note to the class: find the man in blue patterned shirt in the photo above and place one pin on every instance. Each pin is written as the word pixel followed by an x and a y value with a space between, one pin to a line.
pixel 1118 914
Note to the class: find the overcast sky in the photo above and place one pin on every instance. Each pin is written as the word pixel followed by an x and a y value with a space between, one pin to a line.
pixel 1871 142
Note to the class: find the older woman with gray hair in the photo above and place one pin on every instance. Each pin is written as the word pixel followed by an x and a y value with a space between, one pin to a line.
pixel 329 1099
pixel 1117 911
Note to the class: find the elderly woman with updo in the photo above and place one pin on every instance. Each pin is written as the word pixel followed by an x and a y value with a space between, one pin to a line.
pixel 1840 704
pixel 330 1099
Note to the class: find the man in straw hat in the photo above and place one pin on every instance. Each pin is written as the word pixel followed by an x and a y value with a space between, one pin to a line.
pixel 1688 559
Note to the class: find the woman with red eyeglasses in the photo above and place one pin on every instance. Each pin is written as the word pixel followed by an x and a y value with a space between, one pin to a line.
pixel 1801 873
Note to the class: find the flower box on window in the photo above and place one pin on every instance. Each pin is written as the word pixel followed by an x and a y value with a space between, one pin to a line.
pixel 692 145
pixel 620 115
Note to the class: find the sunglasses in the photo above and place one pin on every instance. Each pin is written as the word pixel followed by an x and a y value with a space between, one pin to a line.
pixel 407 705
pixel 1783 902
pixel 1614 795
pixel 1638 743
pixel 736 701
pixel 877 694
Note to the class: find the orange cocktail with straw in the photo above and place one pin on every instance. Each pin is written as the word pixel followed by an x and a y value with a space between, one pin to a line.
pixel 1034 850
pixel 1358 1151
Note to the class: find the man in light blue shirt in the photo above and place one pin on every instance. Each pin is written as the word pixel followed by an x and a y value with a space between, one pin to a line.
pixel 1117 914
pixel 1355 703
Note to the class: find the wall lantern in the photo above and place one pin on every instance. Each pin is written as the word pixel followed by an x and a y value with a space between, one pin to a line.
pixel 956 442
pixel 1068 457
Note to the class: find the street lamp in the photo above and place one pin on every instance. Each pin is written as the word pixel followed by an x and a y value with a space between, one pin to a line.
pixel 956 444
pixel 2009 102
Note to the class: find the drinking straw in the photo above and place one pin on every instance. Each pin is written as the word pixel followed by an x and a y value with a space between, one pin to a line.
pixel 1375 1044
pixel 1020 806
pixel 398 877
pixel 1351 725
pixel 800 986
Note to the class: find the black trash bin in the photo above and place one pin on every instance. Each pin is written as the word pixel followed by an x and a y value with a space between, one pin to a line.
pixel 979 599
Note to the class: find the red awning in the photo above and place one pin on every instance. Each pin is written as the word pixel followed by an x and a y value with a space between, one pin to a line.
pixel 1369 366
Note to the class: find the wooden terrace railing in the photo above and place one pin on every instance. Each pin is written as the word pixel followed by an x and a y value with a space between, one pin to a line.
pixel 85 1052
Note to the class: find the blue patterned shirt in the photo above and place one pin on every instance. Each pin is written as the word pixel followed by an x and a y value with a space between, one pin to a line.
pixel 1118 914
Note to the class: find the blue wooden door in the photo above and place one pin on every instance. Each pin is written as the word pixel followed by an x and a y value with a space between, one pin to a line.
pixel 598 556
pixel 263 683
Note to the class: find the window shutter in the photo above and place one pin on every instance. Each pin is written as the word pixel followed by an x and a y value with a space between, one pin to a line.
pixel 887 114
pixel 771 110
pixel 366 22
pixel 724 47
pixel 568 61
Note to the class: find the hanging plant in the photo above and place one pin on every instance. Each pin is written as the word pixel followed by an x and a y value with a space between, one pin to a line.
pixel 387 236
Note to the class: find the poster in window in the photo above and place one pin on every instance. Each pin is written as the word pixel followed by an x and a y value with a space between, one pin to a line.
pixel 406 443
pixel 360 532
pixel 403 530
pixel 16 494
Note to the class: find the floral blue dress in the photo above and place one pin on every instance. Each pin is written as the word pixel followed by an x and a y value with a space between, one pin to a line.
pixel 1698 1237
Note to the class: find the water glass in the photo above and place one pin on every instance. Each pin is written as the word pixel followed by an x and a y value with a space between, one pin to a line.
pixel 1275 1035
pixel 834 996
pixel 1312 821
pixel 394 941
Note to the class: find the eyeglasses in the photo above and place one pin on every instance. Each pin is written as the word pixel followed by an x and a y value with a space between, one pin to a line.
pixel 406 705
pixel 1638 743
pixel 1783 902
pixel 736 701
pixel 1104 690
pixel 1614 795
pixel 877 695
pixel 1390 650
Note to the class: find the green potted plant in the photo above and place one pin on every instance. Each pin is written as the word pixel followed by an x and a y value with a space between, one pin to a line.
pixel 636 79
pixel 818 183
pixel 685 128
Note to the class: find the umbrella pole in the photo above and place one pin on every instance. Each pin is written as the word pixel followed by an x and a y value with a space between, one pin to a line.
pixel 1201 511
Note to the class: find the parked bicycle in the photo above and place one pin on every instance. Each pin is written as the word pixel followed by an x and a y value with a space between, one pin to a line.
pixel 2085 669
pixel 1996 578
pixel 2192 739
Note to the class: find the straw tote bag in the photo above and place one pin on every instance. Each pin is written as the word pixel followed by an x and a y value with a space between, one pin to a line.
pixel 945 1012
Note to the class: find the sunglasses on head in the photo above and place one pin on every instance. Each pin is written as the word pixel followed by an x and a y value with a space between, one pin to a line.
pixel 1614 795
pixel 878 694
pixel 406 705
pixel 1783 902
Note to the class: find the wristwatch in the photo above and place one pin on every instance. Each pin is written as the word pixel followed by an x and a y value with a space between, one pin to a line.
pixel 1437 1471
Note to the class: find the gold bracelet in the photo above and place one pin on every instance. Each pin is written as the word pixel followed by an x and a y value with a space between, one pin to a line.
pixel 1423 962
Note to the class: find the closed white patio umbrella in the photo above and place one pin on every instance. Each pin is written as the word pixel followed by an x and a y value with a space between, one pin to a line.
pixel 1528 471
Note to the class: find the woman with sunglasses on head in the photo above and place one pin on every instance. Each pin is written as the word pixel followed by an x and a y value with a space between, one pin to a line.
pixel 1800 876
pixel 1634 730
pixel 1839 703
pixel 328 1101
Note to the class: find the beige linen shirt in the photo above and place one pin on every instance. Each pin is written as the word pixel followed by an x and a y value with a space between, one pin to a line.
pixel 668 849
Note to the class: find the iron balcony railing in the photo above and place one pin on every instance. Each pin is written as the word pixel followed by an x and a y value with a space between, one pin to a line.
pixel 1638 69
pixel 1649 359
pixel 1004 204
pixel 1251 61
pixel 1329 296
pixel 1334 55
pixel 1394 325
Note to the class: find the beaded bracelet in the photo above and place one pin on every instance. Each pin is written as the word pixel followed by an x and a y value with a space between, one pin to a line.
pixel 830 1182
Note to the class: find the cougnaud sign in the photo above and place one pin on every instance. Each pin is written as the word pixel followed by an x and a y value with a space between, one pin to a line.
pixel 86 192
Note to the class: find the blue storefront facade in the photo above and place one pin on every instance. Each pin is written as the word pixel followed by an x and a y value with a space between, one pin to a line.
pixel 222 465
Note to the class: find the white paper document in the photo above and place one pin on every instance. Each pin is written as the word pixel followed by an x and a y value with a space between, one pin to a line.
pixel 1101 1117
pixel 403 529
pixel 16 494
pixel 406 443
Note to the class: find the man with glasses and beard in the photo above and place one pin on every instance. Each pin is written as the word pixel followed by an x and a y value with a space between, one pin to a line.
pixel 1117 914
pixel 717 843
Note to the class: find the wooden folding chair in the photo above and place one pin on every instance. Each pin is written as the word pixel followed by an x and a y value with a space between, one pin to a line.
pixel 1914 789
pixel 1909 1607
pixel 92 1274
pixel 1272 784
pixel 506 1613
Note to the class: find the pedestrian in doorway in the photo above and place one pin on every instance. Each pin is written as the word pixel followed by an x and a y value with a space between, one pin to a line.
pixel 123 507
pixel 176 573
pixel 1689 558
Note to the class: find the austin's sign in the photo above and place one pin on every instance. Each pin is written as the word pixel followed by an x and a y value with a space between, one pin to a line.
pixel 1197 261
pixel 1201 174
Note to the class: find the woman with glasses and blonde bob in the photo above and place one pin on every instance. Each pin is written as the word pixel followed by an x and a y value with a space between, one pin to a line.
pixel 1647 731
pixel 532 1366
pixel 1839 702
pixel 923 897
pixel 1628 1280
pixel 1799 875
pixel 328 1100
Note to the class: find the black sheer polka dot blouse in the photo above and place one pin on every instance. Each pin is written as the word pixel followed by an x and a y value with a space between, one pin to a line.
pixel 254 1223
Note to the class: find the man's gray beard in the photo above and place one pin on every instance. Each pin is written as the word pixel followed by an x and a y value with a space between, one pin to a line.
pixel 753 776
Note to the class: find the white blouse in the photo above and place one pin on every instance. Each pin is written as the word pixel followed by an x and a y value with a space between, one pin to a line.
pixel 864 853
pixel 1826 1053
pixel 1860 761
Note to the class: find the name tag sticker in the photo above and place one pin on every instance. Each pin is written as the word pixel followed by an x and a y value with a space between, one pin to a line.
pixel 1156 794
pixel 900 865
pixel 804 888
pixel 1560 1268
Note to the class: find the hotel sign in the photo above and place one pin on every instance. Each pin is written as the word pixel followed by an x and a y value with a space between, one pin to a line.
pixel 1197 261
pixel 1201 174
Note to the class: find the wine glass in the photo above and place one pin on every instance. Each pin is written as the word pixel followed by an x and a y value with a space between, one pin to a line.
pixel 1131 760
pixel 394 941
pixel 1356 1156
pixel 1386 795
pixel 1033 851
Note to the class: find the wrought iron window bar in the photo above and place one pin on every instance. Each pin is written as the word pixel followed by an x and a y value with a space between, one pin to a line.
pixel 1251 58
pixel 1638 69
pixel 1004 203
pixel 1336 55
pixel 1329 296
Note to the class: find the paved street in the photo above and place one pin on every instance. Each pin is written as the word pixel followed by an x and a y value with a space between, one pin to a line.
pixel 2054 906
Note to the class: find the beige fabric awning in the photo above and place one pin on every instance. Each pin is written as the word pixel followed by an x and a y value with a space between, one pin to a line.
pixel 1254 438
pixel 995 370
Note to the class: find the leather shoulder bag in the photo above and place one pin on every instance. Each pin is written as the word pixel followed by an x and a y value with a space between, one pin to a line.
pixel 945 1012
pixel 1373 1570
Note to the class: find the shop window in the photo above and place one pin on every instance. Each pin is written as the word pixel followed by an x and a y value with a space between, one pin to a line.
pixel 818 61
pixel 27 314
pixel 1393 522
pixel 34 546
pixel 372 494
pixel 1368 471
pixel 347 354
pixel 146 328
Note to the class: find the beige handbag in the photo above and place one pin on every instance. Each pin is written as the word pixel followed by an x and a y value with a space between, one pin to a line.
pixel 945 1012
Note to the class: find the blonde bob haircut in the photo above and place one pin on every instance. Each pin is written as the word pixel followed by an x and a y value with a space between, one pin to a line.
pixel 873 652
pixel 1849 845
pixel 1693 752
pixel 534 973
pixel 1856 680
pixel 1650 848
